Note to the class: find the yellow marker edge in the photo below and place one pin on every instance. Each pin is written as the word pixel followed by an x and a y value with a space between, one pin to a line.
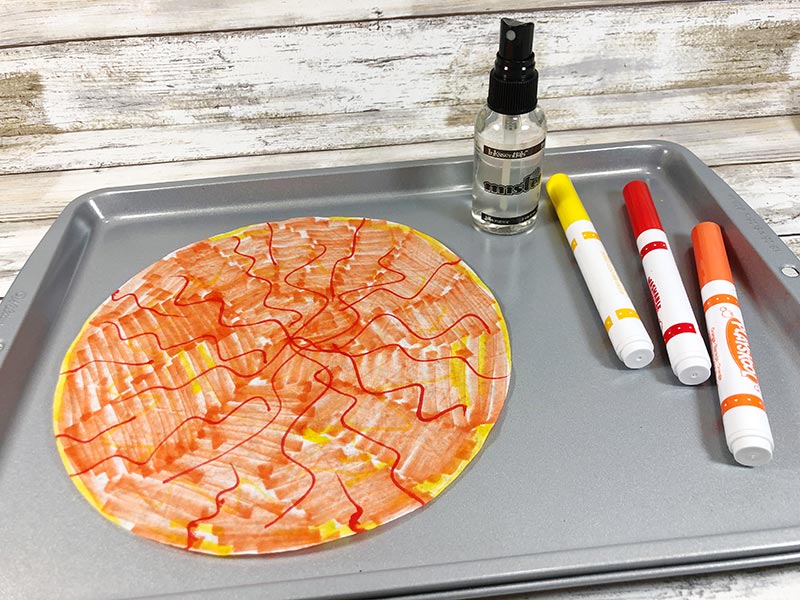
pixel 566 201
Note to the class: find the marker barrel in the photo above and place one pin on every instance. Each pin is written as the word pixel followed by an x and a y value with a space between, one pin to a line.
pixel 686 349
pixel 628 336
pixel 747 431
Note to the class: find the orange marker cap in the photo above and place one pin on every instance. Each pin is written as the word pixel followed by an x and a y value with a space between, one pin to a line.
pixel 709 253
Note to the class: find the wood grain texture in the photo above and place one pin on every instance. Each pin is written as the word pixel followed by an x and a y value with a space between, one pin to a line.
pixel 33 196
pixel 773 189
pixel 17 241
pixel 156 99
pixel 42 21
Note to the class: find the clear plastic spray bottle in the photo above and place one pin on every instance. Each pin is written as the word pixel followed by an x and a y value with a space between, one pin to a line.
pixel 509 138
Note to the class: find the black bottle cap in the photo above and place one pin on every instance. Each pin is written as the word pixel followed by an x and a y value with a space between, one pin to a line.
pixel 514 80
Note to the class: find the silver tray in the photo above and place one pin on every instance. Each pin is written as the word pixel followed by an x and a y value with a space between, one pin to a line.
pixel 594 473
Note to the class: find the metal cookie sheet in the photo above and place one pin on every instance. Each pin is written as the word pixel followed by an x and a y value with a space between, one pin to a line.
pixel 594 472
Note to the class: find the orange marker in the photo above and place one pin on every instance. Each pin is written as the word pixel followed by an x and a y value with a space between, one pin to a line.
pixel 744 417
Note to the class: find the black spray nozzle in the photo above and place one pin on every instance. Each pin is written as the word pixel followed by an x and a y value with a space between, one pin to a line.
pixel 516 40
pixel 514 80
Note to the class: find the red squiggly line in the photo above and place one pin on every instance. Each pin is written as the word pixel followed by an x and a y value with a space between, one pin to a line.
pixel 218 501
pixel 418 386
pixel 303 496
pixel 139 304
pixel 306 344
pixel 377 288
pixel 94 437
pixel 344 258
pixel 385 283
pixel 412 296
pixel 229 450
pixel 107 362
pixel 166 388
pixel 419 336
pixel 267 281
pixel 141 463
pixel 310 291
pixel 221 308
pixel 269 244
pixel 353 522
pixel 182 343
pixel 397 456
pixel 428 360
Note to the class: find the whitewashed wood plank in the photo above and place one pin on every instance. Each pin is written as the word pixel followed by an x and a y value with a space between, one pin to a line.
pixel 17 242
pixel 772 189
pixel 134 145
pixel 154 99
pixel 793 241
pixel 42 21
pixel 44 195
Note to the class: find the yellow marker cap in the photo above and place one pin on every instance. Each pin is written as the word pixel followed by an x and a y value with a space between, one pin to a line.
pixel 565 200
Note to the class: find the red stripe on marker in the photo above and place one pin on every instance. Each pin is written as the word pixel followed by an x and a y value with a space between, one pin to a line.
pixel 677 329
pixel 653 246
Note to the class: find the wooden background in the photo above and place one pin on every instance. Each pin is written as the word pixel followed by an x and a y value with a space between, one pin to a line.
pixel 108 92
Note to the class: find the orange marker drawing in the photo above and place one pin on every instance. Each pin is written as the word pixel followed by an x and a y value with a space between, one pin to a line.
pixel 744 417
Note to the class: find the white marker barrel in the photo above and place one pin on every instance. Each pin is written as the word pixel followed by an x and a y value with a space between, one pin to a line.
pixel 686 349
pixel 744 416
pixel 625 329
pixel 623 325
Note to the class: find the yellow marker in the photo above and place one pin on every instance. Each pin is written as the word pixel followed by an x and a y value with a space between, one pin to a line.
pixel 625 330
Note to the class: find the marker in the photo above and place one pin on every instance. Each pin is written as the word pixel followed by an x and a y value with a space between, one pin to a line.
pixel 686 349
pixel 625 330
pixel 744 417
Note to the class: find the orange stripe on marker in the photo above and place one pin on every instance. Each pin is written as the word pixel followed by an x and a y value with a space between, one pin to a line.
pixel 608 322
pixel 590 235
pixel 720 299
pixel 573 244
pixel 741 400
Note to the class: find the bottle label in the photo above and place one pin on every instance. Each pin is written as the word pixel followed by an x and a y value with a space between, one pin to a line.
pixel 513 154
pixel 529 182
pixel 508 220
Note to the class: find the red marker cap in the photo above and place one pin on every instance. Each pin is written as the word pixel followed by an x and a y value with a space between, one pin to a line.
pixel 641 209
pixel 709 253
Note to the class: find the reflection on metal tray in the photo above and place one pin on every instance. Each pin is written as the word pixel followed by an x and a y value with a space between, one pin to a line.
pixel 594 473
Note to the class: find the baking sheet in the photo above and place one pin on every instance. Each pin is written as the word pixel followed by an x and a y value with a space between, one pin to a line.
pixel 594 472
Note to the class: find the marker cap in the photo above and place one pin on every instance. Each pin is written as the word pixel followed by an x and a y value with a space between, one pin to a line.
pixel 565 200
pixel 693 369
pixel 709 253
pixel 641 209
pixel 752 450
pixel 636 354
pixel 631 343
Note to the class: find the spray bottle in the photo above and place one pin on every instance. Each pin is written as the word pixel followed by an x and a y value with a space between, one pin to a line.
pixel 510 133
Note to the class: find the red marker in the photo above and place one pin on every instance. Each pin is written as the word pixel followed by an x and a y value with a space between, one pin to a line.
pixel 686 349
